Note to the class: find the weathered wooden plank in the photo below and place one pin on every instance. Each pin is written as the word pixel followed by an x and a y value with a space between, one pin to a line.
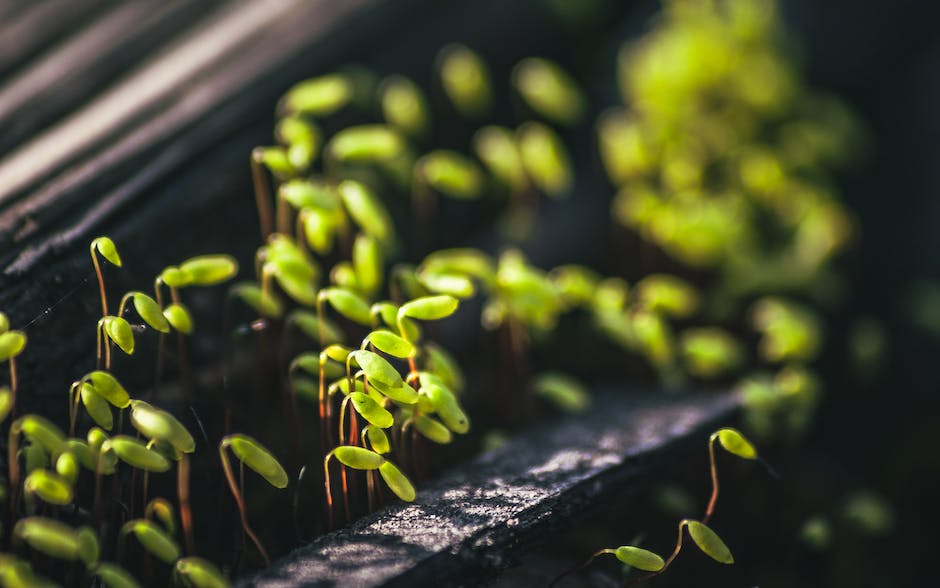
pixel 469 524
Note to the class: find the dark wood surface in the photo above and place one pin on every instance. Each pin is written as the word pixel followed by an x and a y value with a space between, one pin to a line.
pixel 474 520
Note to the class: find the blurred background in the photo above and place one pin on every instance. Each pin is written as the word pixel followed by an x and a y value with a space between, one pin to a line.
pixel 136 119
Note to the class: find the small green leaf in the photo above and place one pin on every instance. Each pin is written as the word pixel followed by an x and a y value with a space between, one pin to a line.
pixel 209 270
pixel 734 442
pixel 668 295
pixel 710 543
pixel 432 429
pixel 109 388
pixel 545 159
pixel 48 486
pixel 154 539
pixel 402 393
pixel 308 194
pixel 562 390
pixel 455 285
pixel 195 572
pixel 310 324
pixel 465 80
pixel 174 277
pixel 429 308
pixel 549 90
pixel 119 330
pixel 6 402
pixel 4 323
pixel 11 344
pixel 444 365
pixel 377 368
pixel 368 263
pixel 266 304
pixel 320 96
pixel 49 536
pixel 337 353
pixel 320 228
pixel 150 311
pixel 371 410
pixel 275 159
pixel 496 147
pixel 447 407
pixel 640 559
pixel 34 457
pixel 366 210
pixel 179 318
pixel 348 304
pixel 390 343
pixel 302 138
pixel 366 143
pixel 67 466
pixel 397 481
pixel 114 576
pixel 377 439
pixel 98 408
pixel 452 174
pixel 42 431
pixel 82 452
pixel 158 424
pixel 164 512
pixel 254 455
pixel 88 549
pixel 358 458
pixel 138 455
pixel 106 248
pixel 404 105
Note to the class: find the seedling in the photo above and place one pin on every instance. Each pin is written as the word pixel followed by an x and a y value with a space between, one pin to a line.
pixel 12 344
pixel 702 535
pixel 251 453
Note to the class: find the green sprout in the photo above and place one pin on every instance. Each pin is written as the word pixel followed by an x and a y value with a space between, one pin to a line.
pixel 251 453
pixel 12 344
pixel 549 91
pixel 466 80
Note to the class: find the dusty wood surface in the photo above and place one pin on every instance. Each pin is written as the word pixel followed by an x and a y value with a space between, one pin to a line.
pixel 472 522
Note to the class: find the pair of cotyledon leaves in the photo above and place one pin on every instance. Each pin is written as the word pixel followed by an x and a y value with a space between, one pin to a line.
pixel 364 459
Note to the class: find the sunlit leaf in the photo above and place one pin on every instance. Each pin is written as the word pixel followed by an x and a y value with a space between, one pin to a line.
pixel 96 405
pixel 320 96
pixel 150 311
pixel 114 576
pixel 397 481
pixel 549 90
pixel 452 174
pixel 377 439
pixel 404 105
pixel 138 455
pixel 563 391
pixel 348 304
pixel 107 249
pixel 88 550
pixel 109 388
pixel 710 543
pixel 432 429
pixel 208 270
pixel 158 424
pixel 368 263
pixel 390 343
pixel 358 458
pixel 640 559
pixel 179 318
pixel 49 536
pixel 266 304
pixel 366 210
pixel 48 486
pixel 545 159
pixel 465 80
pixel 11 344
pixel 734 442
pixel 154 539
pixel 377 368
pixel 371 410
pixel 258 458
pixel 195 572
pixel 496 148
pixel 429 308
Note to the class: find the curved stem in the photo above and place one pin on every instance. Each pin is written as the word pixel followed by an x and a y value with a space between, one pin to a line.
pixel 675 552
pixel 710 510
pixel 262 195
pixel 13 465
pixel 101 292
pixel 13 386
pixel 123 303
pixel 329 491
pixel 186 512
pixel 240 502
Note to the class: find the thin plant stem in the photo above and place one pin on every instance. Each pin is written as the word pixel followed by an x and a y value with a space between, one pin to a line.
pixel 262 195
pixel 587 562
pixel 328 491
pixel 240 502
pixel 101 291
pixel 13 386
pixel 710 510
pixel 186 512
